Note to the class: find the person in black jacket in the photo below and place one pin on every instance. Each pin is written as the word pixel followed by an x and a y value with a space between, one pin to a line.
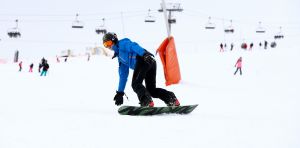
pixel 45 68
pixel 41 64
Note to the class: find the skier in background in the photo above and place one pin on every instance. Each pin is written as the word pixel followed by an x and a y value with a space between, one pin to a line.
pixel 251 46
pixel 57 59
pixel 132 56
pixel 45 68
pixel 221 48
pixel 89 56
pixel 260 44
pixel 41 63
pixel 20 66
pixel 266 44
pixel 30 67
pixel 238 66
pixel 231 46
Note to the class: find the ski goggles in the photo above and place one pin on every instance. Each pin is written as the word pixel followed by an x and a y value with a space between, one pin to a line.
pixel 108 44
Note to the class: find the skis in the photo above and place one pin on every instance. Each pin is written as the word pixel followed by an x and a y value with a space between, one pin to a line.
pixel 144 111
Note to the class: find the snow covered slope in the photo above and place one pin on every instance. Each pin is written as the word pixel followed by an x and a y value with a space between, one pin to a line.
pixel 72 107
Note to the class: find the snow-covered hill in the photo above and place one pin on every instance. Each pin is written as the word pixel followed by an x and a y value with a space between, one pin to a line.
pixel 73 105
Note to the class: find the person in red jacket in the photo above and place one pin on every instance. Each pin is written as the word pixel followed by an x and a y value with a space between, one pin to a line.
pixel 238 66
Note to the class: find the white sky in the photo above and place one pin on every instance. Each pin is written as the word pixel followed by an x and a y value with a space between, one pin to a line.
pixel 46 25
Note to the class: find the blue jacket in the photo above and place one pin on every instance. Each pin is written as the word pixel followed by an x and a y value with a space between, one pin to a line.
pixel 126 51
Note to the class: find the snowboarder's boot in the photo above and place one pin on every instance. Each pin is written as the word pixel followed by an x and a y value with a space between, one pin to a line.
pixel 146 101
pixel 171 100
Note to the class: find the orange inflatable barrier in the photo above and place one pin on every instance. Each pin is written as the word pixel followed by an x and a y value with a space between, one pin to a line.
pixel 168 56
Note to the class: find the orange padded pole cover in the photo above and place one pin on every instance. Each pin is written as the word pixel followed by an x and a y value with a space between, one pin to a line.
pixel 168 56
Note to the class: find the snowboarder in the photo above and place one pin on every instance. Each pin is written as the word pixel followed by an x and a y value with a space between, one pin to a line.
pixel 238 66
pixel 45 68
pixel 20 66
pixel 132 56
pixel 30 67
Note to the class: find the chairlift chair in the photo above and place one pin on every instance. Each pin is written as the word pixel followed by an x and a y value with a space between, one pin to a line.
pixel 172 20
pixel 279 35
pixel 209 24
pixel 14 32
pixel 77 23
pixel 229 29
pixel 260 29
pixel 101 29
pixel 149 18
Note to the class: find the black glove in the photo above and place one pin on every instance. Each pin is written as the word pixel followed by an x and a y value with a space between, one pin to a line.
pixel 148 57
pixel 119 98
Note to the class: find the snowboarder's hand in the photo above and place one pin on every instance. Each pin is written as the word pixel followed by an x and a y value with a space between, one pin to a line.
pixel 119 98
pixel 148 58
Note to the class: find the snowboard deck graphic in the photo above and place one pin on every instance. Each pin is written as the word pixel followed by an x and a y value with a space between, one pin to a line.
pixel 144 111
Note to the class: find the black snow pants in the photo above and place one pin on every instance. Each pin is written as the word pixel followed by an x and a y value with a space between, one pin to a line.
pixel 145 71
pixel 238 69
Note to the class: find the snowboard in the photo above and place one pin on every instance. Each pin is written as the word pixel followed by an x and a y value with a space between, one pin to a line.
pixel 144 111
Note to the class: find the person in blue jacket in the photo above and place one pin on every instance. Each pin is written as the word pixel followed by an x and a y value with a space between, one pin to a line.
pixel 132 56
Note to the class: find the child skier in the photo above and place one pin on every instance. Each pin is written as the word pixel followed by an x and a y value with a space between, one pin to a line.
pixel 133 56
pixel 238 66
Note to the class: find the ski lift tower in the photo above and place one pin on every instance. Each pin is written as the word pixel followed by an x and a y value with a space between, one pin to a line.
pixel 170 7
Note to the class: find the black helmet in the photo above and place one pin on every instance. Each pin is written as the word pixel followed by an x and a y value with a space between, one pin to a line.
pixel 110 36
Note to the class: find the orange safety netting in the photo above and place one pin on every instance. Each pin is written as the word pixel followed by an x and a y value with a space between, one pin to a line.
pixel 168 56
